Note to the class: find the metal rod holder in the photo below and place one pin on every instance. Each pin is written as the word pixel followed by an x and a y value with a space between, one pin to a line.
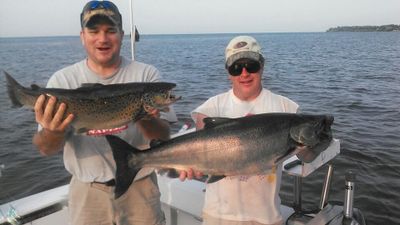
pixel 350 178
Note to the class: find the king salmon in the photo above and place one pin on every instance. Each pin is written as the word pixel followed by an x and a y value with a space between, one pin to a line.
pixel 228 147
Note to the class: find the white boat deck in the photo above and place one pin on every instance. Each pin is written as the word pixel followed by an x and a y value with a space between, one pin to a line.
pixel 181 202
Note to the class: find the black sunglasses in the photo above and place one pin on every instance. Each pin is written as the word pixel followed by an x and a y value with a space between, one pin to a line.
pixel 251 66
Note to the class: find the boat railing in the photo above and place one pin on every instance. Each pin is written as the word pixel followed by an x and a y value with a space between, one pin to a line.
pixel 31 208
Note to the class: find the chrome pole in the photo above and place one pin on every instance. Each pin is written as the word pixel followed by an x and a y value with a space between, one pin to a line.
pixel 133 31
pixel 326 187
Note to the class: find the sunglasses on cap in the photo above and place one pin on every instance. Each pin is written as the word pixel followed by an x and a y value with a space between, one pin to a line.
pixel 107 6
pixel 101 5
pixel 237 67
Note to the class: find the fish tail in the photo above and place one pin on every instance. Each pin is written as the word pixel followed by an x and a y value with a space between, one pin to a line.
pixel 12 86
pixel 125 175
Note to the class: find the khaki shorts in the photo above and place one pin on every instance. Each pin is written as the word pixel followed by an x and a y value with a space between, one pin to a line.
pixel 209 220
pixel 94 204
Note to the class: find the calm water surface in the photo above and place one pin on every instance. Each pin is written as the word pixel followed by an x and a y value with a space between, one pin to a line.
pixel 354 76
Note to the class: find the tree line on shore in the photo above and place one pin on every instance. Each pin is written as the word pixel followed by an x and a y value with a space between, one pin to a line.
pixel 383 28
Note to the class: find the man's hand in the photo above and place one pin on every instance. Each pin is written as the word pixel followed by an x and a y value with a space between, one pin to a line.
pixel 190 174
pixel 50 118
pixel 51 138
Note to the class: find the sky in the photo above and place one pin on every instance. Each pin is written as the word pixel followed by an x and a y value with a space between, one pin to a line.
pixel 26 18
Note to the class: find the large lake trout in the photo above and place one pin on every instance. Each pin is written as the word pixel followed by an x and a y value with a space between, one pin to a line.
pixel 97 106
pixel 228 147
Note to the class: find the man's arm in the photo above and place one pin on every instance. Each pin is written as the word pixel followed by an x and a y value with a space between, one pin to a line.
pixel 51 138
pixel 199 121
pixel 154 128
pixel 48 142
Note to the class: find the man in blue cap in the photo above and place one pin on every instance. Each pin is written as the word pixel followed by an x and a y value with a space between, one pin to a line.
pixel 88 157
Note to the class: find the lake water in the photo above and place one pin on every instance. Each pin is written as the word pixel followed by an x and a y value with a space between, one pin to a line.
pixel 353 76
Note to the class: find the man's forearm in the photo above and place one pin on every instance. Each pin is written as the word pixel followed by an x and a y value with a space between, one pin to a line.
pixel 49 142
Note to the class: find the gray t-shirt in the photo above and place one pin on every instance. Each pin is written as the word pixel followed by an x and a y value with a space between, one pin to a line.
pixel 89 158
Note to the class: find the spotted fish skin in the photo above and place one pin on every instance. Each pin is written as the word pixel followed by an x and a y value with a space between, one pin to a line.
pixel 97 106
pixel 228 147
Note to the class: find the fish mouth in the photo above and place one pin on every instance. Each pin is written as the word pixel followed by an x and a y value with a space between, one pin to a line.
pixel 313 139
pixel 168 99
pixel 160 101
pixel 307 153
pixel 311 134
pixel 173 98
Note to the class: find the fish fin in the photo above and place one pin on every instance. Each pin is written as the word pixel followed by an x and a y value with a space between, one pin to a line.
pixel 90 85
pixel 211 122
pixel 155 142
pixel 124 175
pixel 12 85
pixel 211 179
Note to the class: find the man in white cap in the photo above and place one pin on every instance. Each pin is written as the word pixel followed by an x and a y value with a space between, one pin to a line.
pixel 253 199
pixel 88 157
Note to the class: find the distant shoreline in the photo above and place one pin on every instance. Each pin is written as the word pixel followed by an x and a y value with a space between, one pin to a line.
pixel 383 28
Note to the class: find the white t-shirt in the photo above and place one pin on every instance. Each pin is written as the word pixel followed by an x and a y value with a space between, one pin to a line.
pixel 245 198
pixel 89 158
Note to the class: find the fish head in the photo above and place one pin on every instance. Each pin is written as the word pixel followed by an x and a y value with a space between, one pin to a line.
pixel 312 136
pixel 159 97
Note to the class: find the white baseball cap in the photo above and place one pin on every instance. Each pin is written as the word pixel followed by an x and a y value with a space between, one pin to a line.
pixel 243 47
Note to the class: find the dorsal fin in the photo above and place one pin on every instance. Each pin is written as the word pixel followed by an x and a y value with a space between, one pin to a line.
pixel 211 122
pixel 90 85
pixel 35 87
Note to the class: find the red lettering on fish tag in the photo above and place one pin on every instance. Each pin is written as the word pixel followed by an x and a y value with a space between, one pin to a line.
pixel 103 132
